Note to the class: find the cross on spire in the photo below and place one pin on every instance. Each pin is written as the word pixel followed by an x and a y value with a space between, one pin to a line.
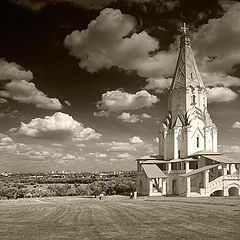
pixel 184 28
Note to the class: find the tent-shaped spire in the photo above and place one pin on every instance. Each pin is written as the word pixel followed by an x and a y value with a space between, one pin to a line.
pixel 186 72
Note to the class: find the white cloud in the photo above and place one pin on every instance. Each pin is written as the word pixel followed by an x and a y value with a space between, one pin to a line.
pixel 2 100
pixel 101 114
pixel 124 155
pixel 82 145
pixel 13 71
pixel 236 125
pixel 69 157
pixel 67 103
pixel 57 145
pixel 220 94
pixel 136 140
pixel 158 84
pixel 219 38
pixel 58 126
pixel 26 92
pixel 105 44
pixel 5 140
pixel 146 116
pixel 127 117
pixel 118 146
pixel 57 155
pixel 99 155
pixel 220 79
pixel 115 101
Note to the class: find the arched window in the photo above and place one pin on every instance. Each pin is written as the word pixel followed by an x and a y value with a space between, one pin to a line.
pixel 193 99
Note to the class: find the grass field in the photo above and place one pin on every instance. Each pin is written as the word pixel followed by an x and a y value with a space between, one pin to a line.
pixel 120 218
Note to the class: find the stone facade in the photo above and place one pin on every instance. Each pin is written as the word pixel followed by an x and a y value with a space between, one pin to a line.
pixel 188 158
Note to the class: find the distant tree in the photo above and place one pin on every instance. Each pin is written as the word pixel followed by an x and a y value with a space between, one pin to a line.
pixel 95 188
pixel 83 190
pixel 21 192
pixel 122 188
pixel 9 192
pixel 71 191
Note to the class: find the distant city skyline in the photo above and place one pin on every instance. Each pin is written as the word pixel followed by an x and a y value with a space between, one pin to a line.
pixel 83 84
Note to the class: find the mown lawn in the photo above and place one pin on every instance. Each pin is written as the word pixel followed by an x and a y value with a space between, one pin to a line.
pixel 120 218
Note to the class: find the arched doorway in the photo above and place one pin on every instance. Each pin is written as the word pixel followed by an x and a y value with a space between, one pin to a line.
pixel 174 187
pixel 233 191
pixel 217 193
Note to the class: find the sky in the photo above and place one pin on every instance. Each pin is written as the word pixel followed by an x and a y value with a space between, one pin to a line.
pixel 83 84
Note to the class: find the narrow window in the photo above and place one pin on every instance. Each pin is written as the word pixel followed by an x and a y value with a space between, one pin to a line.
pixel 193 99
pixel 197 141
pixel 179 153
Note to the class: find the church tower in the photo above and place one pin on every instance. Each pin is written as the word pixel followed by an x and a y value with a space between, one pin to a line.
pixel 188 127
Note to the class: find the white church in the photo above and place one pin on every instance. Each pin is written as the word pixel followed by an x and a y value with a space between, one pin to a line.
pixel 188 163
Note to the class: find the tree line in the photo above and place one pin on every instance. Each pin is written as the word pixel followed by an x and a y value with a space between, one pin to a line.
pixel 122 186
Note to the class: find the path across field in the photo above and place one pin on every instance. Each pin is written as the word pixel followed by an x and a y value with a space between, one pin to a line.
pixel 120 218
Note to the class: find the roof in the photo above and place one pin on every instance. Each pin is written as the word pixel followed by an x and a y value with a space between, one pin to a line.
pixel 186 71
pixel 202 169
pixel 222 159
pixel 155 161
pixel 204 152
pixel 183 160
pixel 153 171
pixel 152 157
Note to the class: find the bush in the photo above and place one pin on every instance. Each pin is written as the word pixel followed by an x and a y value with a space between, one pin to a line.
pixel 9 192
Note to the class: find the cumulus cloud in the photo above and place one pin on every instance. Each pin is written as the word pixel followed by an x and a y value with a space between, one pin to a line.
pixel 220 94
pixel 13 71
pixel 236 125
pixel 146 116
pixel 5 140
pixel 69 157
pixel 100 114
pixel 217 42
pixel 133 118
pixel 26 92
pixel 127 117
pixel 136 140
pixel 110 41
pixel 58 126
pixel 158 84
pixel 220 79
pixel 115 101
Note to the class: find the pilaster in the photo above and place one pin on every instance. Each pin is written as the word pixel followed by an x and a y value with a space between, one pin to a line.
pixel 175 143
pixel 188 186
pixel 164 186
